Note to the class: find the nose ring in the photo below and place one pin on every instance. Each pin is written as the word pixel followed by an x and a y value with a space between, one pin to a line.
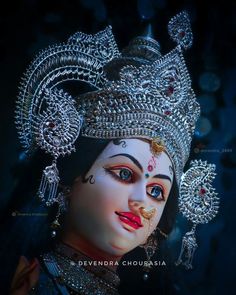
pixel 148 213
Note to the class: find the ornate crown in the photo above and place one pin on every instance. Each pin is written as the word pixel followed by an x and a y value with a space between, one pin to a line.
pixel 150 98
pixel 140 93
pixel 150 101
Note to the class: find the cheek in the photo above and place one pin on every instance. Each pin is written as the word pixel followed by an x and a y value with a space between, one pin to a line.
pixel 105 195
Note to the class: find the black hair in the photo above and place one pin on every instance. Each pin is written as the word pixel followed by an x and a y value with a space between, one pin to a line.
pixel 25 226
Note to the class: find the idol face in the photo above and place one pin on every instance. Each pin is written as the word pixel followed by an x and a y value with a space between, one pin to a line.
pixel 124 179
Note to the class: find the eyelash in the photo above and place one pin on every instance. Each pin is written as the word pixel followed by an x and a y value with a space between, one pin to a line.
pixel 111 172
pixel 152 185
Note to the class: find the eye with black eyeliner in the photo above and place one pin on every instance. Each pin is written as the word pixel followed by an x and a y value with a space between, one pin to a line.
pixel 156 192
pixel 125 175
pixel 121 173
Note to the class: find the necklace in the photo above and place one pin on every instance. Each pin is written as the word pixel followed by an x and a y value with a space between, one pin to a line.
pixel 81 274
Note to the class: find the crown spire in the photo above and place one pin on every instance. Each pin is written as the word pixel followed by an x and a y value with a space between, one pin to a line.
pixel 179 29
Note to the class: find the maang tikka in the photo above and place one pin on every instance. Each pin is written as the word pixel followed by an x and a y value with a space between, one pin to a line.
pixel 139 93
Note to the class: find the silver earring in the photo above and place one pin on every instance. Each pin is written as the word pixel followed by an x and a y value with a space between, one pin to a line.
pixel 198 202
pixel 62 200
pixel 56 130
pixel 150 248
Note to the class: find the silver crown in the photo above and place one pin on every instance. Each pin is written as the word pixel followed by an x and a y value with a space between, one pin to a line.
pixel 150 98
pixel 82 58
pixel 150 101
pixel 140 93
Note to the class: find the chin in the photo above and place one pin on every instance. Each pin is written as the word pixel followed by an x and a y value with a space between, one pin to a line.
pixel 120 246
pixel 116 251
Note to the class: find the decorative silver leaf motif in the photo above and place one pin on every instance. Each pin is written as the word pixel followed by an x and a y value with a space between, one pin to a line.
pixel 179 29
pixel 198 200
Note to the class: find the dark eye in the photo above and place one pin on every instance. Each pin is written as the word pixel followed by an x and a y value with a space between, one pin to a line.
pixel 125 174
pixel 121 173
pixel 155 192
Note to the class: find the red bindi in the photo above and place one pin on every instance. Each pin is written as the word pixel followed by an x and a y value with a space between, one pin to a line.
pixel 150 168
pixel 151 164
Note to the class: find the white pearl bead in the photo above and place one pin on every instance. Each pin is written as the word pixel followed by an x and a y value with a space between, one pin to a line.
pixel 145 277
pixel 53 233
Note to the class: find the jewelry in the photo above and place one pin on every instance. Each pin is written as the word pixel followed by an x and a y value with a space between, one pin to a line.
pixel 81 274
pixel 150 248
pixel 157 146
pixel 148 213
pixel 162 233
pixel 152 100
pixel 198 202
pixel 56 129
pixel 62 201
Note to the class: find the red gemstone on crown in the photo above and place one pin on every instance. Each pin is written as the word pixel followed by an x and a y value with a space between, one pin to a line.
pixel 51 125
pixel 167 112
pixel 170 90
pixel 202 191
pixel 182 34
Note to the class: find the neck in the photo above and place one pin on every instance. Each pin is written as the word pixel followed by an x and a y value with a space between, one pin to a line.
pixel 83 245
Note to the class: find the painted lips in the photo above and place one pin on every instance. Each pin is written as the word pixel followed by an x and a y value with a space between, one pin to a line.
pixel 130 219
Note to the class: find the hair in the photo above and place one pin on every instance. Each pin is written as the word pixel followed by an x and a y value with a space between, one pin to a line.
pixel 26 222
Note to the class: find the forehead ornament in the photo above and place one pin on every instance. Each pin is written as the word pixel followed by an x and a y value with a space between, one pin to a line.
pixel 157 146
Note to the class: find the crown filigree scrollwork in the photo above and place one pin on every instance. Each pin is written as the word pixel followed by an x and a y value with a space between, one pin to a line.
pixel 57 123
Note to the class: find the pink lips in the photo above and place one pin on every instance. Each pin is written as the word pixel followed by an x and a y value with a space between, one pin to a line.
pixel 130 219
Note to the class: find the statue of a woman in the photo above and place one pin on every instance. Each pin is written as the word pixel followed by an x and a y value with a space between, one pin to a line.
pixel 132 137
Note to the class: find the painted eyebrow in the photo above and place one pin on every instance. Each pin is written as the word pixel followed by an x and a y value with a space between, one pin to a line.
pixel 162 176
pixel 135 161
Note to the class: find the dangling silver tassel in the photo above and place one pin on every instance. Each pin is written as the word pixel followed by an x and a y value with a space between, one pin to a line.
pixel 189 246
pixel 62 207
pixel 198 202
pixel 49 184
pixel 150 248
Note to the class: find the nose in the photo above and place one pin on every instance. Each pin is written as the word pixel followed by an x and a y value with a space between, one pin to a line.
pixel 138 196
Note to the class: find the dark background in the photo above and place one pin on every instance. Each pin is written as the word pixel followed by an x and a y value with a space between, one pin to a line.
pixel 28 26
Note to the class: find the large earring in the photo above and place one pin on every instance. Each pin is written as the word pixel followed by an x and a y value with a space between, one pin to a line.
pixel 150 248
pixel 198 202
pixel 55 129
pixel 62 201
pixel 161 232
